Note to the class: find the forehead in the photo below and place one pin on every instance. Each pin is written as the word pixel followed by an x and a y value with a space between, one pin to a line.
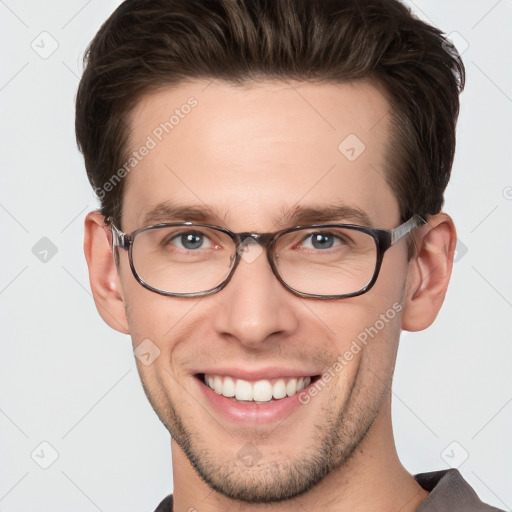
pixel 250 153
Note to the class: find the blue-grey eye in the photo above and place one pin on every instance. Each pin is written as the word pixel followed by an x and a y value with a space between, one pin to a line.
pixel 321 241
pixel 191 241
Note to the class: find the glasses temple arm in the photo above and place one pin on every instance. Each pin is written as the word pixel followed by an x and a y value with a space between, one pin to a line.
pixel 405 228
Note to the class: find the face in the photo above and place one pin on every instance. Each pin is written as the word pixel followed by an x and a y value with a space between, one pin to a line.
pixel 251 159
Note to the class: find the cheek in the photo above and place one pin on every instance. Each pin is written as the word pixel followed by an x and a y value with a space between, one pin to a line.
pixel 393 274
pixel 153 315
pixel 363 333
pixel 161 334
pixel 150 315
pixel 156 317
pixel 360 318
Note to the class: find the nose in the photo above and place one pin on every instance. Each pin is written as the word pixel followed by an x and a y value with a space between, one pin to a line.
pixel 254 308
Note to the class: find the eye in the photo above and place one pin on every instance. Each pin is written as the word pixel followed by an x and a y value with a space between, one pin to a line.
pixel 322 240
pixel 191 240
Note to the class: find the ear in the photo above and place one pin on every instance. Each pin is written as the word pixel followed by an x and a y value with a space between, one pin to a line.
pixel 103 275
pixel 429 272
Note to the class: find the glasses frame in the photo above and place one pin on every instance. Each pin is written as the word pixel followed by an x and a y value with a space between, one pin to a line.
pixel 383 238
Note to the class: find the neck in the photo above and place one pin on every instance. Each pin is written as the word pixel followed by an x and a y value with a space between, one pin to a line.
pixel 372 479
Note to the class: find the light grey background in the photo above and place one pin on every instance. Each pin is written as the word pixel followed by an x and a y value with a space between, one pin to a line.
pixel 68 380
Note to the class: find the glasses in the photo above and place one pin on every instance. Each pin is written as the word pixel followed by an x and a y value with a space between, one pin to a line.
pixel 321 261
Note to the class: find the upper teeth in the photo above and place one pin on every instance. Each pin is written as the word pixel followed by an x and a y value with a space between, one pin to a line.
pixel 260 391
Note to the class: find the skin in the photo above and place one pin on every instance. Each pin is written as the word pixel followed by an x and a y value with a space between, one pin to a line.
pixel 253 153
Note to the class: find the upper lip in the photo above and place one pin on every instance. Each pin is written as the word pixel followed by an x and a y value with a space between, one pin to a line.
pixel 258 374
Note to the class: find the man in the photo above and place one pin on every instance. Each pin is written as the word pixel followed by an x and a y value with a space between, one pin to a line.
pixel 271 177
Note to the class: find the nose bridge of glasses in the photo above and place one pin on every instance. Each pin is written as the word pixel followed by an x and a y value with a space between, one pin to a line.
pixel 259 242
pixel 260 238
pixel 251 247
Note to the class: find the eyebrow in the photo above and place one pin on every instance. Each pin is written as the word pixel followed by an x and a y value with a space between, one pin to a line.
pixel 299 215
pixel 170 212
pixel 331 213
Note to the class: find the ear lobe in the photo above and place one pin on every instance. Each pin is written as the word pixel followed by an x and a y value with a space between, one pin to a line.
pixel 429 273
pixel 103 274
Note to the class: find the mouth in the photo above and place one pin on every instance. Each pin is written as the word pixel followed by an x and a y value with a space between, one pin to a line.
pixel 261 391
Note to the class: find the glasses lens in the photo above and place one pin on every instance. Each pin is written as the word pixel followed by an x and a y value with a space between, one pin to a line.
pixel 182 259
pixel 326 261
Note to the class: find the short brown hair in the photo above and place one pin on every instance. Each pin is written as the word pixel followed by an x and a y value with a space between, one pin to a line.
pixel 147 44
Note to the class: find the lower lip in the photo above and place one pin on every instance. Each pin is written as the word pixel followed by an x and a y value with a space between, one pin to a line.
pixel 250 412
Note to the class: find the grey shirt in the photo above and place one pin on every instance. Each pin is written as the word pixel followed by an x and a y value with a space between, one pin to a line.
pixel 448 492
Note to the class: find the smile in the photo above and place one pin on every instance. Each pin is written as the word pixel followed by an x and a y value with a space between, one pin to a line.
pixel 260 391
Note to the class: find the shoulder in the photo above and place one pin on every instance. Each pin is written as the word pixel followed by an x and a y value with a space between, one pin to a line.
pixel 448 491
